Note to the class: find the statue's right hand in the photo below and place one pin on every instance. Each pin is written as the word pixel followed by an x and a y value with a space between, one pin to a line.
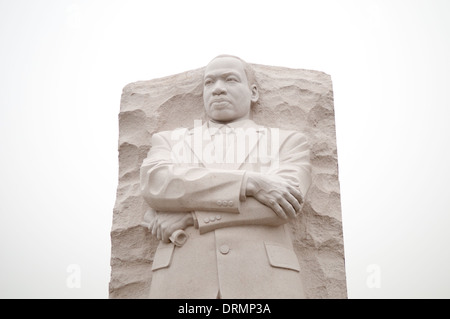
pixel 164 224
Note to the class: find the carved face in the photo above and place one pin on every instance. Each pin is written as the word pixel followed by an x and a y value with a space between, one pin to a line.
pixel 227 95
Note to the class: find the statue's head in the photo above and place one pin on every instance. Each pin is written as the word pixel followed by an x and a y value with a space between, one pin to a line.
pixel 229 89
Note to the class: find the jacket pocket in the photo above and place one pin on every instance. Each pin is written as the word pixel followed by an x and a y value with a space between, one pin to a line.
pixel 163 256
pixel 281 257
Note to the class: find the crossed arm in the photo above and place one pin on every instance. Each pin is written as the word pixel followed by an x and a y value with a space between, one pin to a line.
pixel 186 195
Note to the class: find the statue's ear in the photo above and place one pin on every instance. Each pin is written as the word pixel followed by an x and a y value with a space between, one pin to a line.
pixel 255 93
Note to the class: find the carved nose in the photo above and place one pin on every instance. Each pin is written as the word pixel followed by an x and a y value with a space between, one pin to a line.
pixel 218 90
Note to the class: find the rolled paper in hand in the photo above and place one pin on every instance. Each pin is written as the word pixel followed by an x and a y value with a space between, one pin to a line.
pixel 178 237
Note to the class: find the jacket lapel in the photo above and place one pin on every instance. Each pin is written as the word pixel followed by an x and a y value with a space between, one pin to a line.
pixel 196 140
pixel 247 139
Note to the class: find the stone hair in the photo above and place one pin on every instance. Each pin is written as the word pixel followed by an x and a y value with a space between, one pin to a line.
pixel 249 72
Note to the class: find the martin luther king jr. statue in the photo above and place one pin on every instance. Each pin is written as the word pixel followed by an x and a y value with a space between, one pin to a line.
pixel 232 186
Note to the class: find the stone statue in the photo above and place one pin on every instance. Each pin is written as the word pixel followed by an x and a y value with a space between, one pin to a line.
pixel 290 99
pixel 222 194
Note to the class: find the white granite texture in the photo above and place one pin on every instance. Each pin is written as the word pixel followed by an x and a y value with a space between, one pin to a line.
pixel 289 99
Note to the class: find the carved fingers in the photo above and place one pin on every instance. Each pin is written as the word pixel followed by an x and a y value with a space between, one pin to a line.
pixel 281 196
pixel 166 223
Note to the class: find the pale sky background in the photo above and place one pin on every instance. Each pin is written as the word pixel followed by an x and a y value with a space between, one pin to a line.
pixel 63 65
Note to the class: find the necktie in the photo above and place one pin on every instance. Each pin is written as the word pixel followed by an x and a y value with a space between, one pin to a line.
pixel 224 144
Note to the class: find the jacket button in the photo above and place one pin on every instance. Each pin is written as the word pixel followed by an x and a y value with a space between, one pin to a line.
pixel 224 249
pixel 212 219
pixel 218 217
pixel 206 220
pixel 219 203
pixel 230 203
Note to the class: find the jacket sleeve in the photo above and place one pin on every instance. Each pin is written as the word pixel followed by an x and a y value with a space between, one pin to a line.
pixel 291 162
pixel 294 162
pixel 169 186
pixel 252 212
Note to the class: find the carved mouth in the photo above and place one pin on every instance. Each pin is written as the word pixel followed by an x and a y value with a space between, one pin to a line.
pixel 220 105
pixel 220 101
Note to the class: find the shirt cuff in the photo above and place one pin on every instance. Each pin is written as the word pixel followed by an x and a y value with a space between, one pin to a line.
pixel 195 220
pixel 242 196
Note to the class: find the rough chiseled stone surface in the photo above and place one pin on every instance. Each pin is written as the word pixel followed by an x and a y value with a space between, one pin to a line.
pixel 290 99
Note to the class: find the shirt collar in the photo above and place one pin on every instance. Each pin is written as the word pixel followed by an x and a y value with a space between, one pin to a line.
pixel 214 127
pixel 232 125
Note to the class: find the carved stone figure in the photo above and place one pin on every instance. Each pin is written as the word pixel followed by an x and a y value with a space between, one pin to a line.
pixel 232 186
pixel 232 169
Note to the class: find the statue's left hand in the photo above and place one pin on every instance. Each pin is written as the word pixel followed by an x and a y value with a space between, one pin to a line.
pixel 165 223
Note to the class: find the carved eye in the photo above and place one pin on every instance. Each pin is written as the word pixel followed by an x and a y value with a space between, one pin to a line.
pixel 208 81
pixel 232 79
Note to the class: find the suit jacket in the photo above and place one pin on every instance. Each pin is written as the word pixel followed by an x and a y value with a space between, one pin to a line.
pixel 238 248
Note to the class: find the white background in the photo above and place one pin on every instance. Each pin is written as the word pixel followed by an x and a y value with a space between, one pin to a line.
pixel 63 65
